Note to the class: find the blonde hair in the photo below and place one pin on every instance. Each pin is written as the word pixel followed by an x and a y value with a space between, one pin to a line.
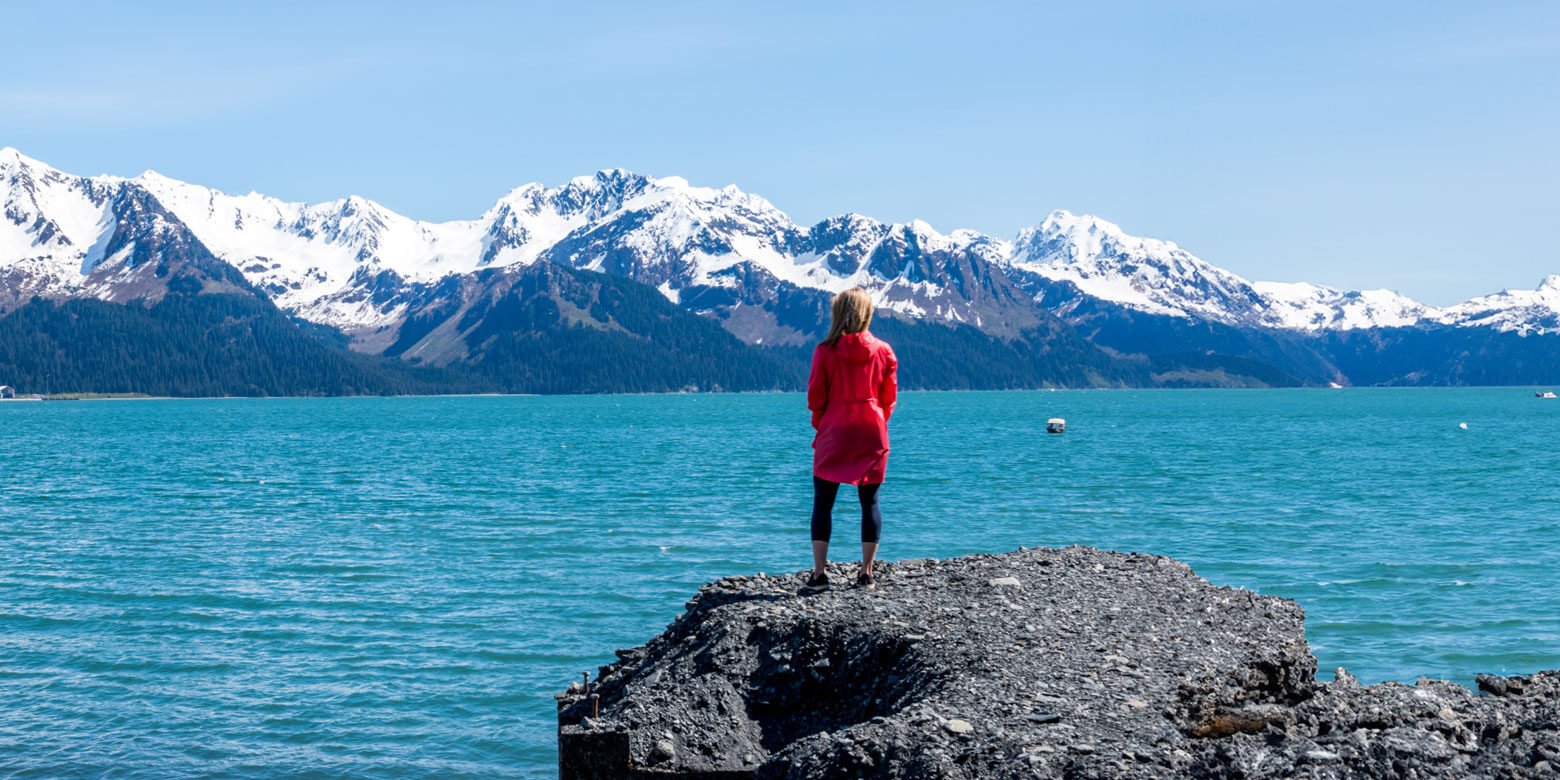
pixel 851 312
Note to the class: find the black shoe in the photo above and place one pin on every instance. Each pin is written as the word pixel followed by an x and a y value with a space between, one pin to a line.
pixel 864 580
pixel 818 581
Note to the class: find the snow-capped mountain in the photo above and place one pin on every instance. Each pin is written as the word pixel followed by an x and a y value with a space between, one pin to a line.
pixel 1311 307
pixel 1099 260
pixel 355 265
pixel 360 267
pixel 65 236
pixel 311 258
pixel 1522 311
pixel 56 228
pixel 914 269
pixel 1158 277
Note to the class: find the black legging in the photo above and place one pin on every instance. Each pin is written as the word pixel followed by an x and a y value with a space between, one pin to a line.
pixel 824 492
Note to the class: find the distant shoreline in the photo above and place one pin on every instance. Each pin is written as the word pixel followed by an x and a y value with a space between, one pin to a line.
pixel 141 397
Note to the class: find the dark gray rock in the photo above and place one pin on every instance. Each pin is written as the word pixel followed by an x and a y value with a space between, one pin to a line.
pixel 1097 665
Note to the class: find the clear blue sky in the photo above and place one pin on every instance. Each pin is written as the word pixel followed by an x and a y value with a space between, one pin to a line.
pixel 1414 146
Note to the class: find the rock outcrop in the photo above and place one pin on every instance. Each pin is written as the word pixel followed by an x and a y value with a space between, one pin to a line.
pixel 1070 663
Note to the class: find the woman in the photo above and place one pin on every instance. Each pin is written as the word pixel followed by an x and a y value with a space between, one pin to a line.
pixel 851 394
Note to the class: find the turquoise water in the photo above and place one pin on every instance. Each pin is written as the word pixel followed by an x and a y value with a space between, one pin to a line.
pixel 396 587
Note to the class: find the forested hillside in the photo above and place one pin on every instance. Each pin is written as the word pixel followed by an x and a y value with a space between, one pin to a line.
pixel 191 345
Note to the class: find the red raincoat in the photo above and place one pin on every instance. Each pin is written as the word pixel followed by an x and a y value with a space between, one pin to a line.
pixel 851 394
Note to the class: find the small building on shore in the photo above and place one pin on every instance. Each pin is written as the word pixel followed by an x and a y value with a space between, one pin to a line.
pixel 7 391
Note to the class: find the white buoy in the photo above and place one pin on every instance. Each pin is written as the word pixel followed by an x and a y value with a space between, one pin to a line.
pixel 1463 426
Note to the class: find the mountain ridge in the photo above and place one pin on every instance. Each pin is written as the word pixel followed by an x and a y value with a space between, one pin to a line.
pixel 316 259
pixel 1122 309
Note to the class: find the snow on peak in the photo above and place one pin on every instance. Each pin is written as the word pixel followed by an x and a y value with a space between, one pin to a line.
pixel 1160 277
pixel 1103 261
pixel 665 227
pixel 306 255
pixel 1305 306
pixel 12 159
pixel 330 262
pixel 53 226
pixel 1064 221
pixel 1522 311
pixel 1157 276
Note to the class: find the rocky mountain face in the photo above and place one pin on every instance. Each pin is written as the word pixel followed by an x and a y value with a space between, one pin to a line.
pixel 1071 662
pixel 1143 296
pixel 1093 259
pixel 380 278
pixel 547 328
pixel 359 267
pixel 66 236
pixel 1071 260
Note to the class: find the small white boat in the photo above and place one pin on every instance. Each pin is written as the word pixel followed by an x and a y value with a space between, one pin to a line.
pixel 1545 394
pixel 1056 425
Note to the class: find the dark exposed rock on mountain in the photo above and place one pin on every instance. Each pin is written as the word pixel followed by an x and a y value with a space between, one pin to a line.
pixel 1069 663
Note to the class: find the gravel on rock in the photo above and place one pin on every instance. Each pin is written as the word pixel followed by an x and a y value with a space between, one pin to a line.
pixel 1070 662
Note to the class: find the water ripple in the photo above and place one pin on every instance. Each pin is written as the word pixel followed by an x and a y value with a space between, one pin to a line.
pixel 396 587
